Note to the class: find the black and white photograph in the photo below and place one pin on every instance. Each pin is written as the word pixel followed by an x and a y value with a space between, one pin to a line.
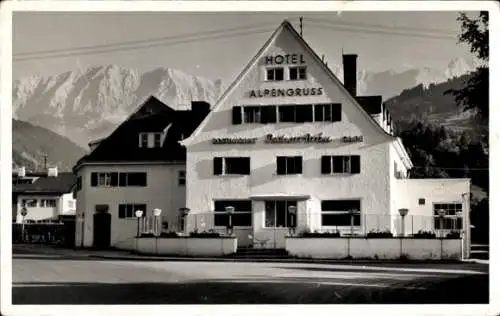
pixel 292 154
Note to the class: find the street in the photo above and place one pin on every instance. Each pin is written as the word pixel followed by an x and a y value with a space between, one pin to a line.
pixel 41 278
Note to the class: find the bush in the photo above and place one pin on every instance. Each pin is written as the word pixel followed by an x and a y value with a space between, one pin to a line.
pixel 424 235
pixel 377 234
pixel 147 235
pixel 170 234
pixel 316 234
pixel 206 234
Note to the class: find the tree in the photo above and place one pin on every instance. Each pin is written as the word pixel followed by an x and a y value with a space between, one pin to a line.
pixel 475 94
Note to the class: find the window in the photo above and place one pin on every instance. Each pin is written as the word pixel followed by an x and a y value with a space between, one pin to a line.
pixel 231 165
pixel 252 114
pixel 236 115
pixel 268 114
pixel 452 218
pixel 128 210
pixel 181 178
pixel 30 203
pixel 275 74
pixel 277 214
pixel 157 140
pixel 115 179
pixel 340 164
pixel 48 203
pixel 303 113
pixel 336 212
pixel 242 215
pixel 421 201
pixel 297 73
pixel 331 112
pixel 288 165
pixel 143 140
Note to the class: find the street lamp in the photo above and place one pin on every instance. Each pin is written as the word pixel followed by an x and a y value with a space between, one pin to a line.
pixel 156 213
pixel 403 212
pixel 24 212
pixel 441 214
pixel 353 212
pixel 292 210
pixel 183 211
pixel 138 215
pixel 229 211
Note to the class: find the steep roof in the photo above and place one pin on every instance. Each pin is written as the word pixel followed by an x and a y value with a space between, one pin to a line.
pixel 286 25
pixel 63 183
pixel 152 116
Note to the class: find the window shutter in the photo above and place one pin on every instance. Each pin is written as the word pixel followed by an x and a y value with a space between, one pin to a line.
pixel 236 115
pixel 121 211
pixel 318 113
pixel 93 179
pixel 217 165
pixel 336 112
pixel 246 165
pixel 355 164
pixel 326 167
pixel 281 165
pixel 298 164
pixel 114 179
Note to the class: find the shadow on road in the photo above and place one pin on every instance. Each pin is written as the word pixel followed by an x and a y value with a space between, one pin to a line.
pixel 248 292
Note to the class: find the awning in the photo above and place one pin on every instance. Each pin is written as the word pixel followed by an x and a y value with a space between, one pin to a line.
pixel 279 197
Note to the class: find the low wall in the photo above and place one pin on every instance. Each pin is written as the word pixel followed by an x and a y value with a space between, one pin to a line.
pixel 375 248
pixel 187 246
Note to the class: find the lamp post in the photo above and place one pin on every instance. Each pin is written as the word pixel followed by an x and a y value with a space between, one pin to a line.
pixel 183 211
pixel 24 212
pixel 157 213
pixel 138 215
pixel 229 211
pixel 403 212
pixel 441 214
pixel 292 210
pixel 353 212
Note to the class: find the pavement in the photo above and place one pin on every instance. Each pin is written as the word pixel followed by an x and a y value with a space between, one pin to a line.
pixel 62 276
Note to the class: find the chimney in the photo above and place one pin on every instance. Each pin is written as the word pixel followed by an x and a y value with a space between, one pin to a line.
pixel 350 73
pixel 52 172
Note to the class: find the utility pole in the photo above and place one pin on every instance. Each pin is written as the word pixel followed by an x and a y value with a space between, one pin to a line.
pixel 300 19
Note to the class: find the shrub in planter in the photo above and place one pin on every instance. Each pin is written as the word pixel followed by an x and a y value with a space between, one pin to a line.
pixel 424 235
pixel 378 234
pixel 170 234
pixel 147 235
pixel 453 235
pixel 316 234
pixel 205 234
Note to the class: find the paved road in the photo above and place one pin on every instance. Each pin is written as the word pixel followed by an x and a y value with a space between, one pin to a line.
pixel 57 279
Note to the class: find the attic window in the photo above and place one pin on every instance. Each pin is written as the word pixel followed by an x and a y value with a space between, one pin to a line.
pixel 143 140
pixel 421 201
pixel 157 140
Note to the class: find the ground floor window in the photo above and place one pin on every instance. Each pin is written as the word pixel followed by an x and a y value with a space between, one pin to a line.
pixel 241 217
pixel 48 203
pixel 278 214
pixel 338 212
pixel 452 216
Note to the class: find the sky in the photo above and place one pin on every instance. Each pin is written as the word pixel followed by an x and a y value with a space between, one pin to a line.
pixel 218 45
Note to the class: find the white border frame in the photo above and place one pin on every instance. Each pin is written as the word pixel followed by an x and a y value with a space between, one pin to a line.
pixel 7 9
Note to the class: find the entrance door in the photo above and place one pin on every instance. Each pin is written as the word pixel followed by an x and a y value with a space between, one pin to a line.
pixel 278 221
pixel 102 230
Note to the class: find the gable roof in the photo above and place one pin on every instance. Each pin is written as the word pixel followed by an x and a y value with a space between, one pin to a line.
pixel 61 184
pixel 286 25
pixel 151 117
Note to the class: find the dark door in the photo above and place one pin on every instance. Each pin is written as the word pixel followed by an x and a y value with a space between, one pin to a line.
pixel 102 230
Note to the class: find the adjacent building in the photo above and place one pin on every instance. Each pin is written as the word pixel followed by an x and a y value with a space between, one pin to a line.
pixel 140 166
pixel 44 196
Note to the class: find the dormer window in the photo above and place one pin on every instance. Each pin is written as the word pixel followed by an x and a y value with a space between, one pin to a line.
pixel 150 140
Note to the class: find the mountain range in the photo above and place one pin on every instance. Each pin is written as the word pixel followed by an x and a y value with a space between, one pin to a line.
pixel 86 105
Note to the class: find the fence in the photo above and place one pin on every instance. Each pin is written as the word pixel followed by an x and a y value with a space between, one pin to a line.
pixel 52 233
pixel 343 222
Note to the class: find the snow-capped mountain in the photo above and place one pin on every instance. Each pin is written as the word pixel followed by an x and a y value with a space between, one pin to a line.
pixel 85 105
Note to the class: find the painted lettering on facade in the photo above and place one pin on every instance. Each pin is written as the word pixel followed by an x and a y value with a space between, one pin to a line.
pixel 352 139
pixel 288 59
pixel 291 92
pixel 307 139
pixel 226 141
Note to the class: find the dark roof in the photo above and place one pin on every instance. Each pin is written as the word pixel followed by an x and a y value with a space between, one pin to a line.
pixel 371 104
pixel 63 183
pixel 152 116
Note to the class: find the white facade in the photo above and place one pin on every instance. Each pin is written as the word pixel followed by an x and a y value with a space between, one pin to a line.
pixel 376 186
pixel 162 191
pixel 45 207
